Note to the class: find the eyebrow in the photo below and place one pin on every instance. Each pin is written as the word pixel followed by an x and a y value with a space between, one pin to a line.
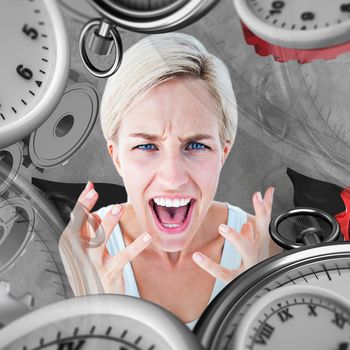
pixel 151 137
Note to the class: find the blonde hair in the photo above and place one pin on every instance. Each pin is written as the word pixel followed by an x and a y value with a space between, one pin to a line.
pixel 159 58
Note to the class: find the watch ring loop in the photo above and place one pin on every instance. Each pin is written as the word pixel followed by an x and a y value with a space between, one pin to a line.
pixel 287 244
pixel 84 56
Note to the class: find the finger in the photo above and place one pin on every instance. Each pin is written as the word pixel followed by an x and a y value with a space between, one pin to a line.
pixel 85 203
pixel 212 267
pixel 268 197
pixel 95 221
pixel 244 247
pixel 92 223
pixel 111 219
pixel 263 206
pixel 259 204
pixel 262 216
pixel 247 232
pixel 103 232
pixel 130 252
pixel 91 236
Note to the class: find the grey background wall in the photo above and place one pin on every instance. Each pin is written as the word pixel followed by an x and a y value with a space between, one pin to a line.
pixel 289 115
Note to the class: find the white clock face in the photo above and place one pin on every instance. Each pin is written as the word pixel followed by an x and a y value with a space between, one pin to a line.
pixel 34 65
pixel 300 24
pixel 296 317
pixel 270 303
pixel 106 321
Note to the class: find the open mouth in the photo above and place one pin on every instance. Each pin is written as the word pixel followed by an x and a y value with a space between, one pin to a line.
pixel 172 215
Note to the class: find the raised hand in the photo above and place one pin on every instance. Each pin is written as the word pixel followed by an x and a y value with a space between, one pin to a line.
pixel 82 247
pixel 252 242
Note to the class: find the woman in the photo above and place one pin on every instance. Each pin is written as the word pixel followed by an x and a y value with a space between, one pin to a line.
pixel 169 116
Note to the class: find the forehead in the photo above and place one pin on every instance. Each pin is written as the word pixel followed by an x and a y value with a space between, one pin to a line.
pixel 179 105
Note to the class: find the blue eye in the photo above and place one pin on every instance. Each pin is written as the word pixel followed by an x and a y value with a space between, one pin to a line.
pixel 196 146
pixel 146 147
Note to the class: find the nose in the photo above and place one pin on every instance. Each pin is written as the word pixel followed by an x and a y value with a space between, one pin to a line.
pixel 173 173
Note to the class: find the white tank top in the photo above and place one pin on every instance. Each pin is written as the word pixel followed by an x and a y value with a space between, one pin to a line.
pixel 230 258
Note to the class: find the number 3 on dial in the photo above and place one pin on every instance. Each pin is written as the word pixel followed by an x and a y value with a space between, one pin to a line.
pixel 34 65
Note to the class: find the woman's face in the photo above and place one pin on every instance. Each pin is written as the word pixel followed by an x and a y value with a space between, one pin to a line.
pixel 170 156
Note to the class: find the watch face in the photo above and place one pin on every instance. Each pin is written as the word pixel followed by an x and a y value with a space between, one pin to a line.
pixel 325 267
pixel 305 317
pixel 34 65
pixel 297 24
pixel 99 322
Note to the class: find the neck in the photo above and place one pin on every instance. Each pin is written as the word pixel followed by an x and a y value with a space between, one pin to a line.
pixel 174 257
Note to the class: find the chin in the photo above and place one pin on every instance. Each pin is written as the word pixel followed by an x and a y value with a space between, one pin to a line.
pixel 171 247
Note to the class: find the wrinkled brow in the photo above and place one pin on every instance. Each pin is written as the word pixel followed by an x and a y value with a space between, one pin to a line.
pixel 151 137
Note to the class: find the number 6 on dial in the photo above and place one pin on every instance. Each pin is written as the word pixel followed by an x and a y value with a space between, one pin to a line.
pixel 34 65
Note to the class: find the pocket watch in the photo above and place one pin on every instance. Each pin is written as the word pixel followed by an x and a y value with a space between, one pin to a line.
pixel 296 29
pixel 30 264
pixel 261 308
pixel 298 316
pixel 34 65
pixel 145 16
pixel 106 321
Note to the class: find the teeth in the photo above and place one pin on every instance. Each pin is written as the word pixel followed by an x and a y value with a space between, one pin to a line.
pixel 171 225
pixel 167 202
pixel 183 202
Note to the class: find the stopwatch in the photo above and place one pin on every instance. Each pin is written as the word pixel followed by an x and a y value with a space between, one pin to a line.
pixel 34 65
pixel 143 16
pixel 99 322
pixel 153 16
pixel 30 227
pixel 290 29
pixel 261 292
pixel 298 316
pixel 326 266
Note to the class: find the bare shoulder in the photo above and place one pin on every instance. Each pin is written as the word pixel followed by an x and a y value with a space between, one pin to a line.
pixel 219 211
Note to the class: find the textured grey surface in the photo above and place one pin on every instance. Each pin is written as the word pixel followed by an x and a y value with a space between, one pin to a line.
pixel 289 115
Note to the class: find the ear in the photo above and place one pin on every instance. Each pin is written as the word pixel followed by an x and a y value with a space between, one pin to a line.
pixel 113 152
pixel 226 150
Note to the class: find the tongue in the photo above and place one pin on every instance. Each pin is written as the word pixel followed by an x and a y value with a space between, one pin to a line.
pixel 171 215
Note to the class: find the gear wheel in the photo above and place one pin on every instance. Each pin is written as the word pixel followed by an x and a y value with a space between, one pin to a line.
pixel 12 307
